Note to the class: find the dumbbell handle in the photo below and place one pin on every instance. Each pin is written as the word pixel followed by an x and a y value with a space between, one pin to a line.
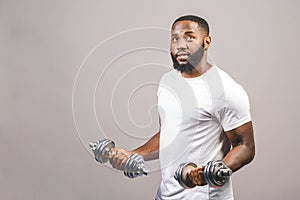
pixel 224 172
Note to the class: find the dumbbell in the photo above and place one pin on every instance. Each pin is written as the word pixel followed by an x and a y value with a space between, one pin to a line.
pixel 216 173
pixel 135 165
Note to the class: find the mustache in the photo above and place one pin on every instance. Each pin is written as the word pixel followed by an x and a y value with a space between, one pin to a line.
pixel 182 52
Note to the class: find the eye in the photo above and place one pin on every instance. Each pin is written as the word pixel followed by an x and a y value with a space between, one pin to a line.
pixel 189 37
pixel 174 39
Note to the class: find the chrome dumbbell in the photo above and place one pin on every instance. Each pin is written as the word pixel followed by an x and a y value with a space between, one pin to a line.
pixel 216 173
pixel 135 165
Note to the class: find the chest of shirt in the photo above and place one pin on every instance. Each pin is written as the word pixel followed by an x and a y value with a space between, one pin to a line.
pixel 193 102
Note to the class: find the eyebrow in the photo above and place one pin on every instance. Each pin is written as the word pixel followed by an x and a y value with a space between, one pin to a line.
pixel 187 32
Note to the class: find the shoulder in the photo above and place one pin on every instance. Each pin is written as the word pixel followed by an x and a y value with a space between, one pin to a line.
pixel 226 79
pixel 235 97
pixel 221 85
pixel 169 78
pixel 166 80
pixel 170 74
pixel 225 91
pixel 234 107
pixel 232 89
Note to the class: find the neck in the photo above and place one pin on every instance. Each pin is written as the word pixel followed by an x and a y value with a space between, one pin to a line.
pixel 200 69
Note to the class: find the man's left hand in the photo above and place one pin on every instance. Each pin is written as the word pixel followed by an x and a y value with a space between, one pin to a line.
pixel 196 175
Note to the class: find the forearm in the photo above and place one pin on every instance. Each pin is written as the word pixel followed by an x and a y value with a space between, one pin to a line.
pixel 239 156
pixel 150 150
pixel 243 151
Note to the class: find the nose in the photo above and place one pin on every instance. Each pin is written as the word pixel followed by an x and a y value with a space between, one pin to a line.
pixel 182 44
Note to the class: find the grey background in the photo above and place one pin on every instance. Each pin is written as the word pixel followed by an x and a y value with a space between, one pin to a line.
pixel 43 43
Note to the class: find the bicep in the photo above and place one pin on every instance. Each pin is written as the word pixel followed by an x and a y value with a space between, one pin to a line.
pixel 243 151
pixel 242 135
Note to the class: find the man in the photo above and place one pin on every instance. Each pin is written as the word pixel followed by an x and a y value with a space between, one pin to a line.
pixel 204 116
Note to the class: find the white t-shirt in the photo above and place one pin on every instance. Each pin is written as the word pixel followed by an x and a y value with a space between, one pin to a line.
pixel 194 114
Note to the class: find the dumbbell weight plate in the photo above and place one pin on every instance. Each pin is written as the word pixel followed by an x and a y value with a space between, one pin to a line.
pixel 102 150
pixel 181 175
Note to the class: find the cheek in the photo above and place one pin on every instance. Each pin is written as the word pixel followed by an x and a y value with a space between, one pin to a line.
pixel 173 49
pixel 194 46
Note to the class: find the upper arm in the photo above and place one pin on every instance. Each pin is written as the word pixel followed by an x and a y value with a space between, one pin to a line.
pixel 236 121
pixel 243 150
pixel 242 135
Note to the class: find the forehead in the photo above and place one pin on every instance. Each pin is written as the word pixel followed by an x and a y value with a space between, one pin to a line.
pixel 186 26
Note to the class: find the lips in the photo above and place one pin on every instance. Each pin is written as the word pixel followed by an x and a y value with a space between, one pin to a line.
pixel 182 56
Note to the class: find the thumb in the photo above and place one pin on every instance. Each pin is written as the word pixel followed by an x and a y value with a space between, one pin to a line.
pixel 200 168
pixel 112 152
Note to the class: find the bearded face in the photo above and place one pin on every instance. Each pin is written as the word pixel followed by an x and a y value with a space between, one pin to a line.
pixel 184 61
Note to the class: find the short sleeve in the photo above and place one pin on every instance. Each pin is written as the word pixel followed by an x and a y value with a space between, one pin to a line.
pixel 158 90
pixel 236 109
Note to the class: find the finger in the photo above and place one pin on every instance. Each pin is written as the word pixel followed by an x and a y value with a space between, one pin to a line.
pixel 111 159
pixel 193 176
pixel 200 172
pixel 114 158
pixel 112 162
pixel 119 162
pixel 123 163
pixel 112 153
pixel 197 177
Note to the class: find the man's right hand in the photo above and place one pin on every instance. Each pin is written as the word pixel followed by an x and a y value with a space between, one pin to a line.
pixel 118 157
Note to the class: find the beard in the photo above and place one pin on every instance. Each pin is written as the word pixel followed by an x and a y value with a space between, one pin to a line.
pixel 193 60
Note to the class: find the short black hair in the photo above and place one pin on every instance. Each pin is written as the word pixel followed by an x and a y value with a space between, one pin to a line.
pixel 201 22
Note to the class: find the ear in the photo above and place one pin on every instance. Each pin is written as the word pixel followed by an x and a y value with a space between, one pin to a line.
pixel 207 41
